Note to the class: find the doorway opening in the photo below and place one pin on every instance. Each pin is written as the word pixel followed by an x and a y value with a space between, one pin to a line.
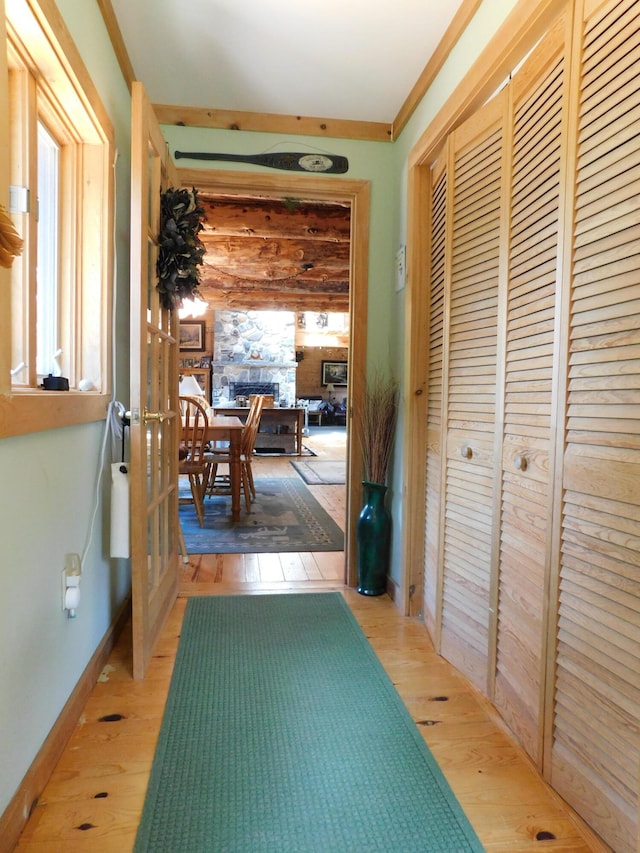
pixel 294 190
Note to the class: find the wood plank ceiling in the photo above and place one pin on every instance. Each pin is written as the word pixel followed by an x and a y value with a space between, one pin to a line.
pixel 272 254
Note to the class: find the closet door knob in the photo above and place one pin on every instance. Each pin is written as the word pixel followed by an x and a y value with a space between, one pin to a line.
pixel 520 462
pixel 466 452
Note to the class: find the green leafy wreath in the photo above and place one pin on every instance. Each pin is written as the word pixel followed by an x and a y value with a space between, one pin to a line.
pixel 181 250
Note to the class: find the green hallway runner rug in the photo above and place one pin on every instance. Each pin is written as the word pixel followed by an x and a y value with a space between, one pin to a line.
pixel 282 732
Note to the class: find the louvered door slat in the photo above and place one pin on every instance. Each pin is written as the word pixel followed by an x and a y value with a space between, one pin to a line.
pixel 530 335
pixel 598 666
pixel 474 248
pixel 437 229
pixel 611 162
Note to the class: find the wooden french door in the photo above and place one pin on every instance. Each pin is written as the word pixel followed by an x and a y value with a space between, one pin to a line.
pixel 153 390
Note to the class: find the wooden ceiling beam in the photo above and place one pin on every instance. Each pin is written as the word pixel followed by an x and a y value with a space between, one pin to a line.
pixel 272 218
pixel 253 258
pixel 282 254
pixel 256 250
pixel 273 123
pixel 275 301
pixel 300 286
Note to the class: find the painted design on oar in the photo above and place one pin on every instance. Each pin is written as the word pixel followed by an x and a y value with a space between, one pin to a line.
pixel 332 164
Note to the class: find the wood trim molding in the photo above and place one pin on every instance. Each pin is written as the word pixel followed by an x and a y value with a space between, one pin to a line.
pixel 61 44
pixel 416 393
pixel 5 274
pixel 457 26
pixel 369 131
pixel 35 411
pixel 25 799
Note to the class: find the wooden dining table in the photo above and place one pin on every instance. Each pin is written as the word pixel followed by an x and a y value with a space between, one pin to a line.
pixel 226 428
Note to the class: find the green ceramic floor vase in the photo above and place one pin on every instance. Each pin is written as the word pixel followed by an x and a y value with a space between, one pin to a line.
pixel 374 540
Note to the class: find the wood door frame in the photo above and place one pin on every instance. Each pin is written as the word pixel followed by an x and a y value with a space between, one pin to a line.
pixel 357 194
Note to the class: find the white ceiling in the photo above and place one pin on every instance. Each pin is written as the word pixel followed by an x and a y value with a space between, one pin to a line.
pixel 340 59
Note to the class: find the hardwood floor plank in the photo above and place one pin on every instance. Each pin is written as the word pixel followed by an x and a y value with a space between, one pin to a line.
pixel 270 568
pixel 310 566
pixel 293 567
pixel 251 568
pixel 331 565
pixel 508 803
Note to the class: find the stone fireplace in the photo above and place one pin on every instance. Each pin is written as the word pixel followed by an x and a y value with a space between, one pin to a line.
pixel 253 349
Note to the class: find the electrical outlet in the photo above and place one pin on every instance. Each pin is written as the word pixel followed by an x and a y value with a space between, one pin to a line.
pixel 71 575
pixel 72 564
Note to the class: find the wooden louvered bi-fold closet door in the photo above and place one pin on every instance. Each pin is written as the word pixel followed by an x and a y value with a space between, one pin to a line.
pixel 534 137
pixel 470 340
pixel 437 230
pixel 595 735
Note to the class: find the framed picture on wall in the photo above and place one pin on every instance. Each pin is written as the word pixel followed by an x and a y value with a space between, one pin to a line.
pixel 334 373
pixel 192 336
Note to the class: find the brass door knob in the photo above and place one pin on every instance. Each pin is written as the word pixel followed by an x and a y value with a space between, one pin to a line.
pixel 520 462
pixel 153 416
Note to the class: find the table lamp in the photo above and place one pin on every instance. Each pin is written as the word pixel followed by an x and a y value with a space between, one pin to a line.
pixel 189 387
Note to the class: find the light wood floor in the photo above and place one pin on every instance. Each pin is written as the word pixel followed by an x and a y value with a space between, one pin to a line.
pixel 322 569
pixel 95 796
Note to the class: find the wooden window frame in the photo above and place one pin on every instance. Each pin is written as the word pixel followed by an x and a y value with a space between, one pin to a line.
pixel 45 79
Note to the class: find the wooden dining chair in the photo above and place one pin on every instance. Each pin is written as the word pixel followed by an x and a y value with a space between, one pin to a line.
pixel 193 460
pixel 219 483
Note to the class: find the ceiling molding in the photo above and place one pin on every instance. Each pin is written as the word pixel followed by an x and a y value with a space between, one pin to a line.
pixel 368 131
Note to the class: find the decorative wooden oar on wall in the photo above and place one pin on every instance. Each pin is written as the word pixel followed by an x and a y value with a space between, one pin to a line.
pixel 290 161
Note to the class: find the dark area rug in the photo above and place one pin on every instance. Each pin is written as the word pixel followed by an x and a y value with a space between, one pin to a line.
pixel 322 472
pixel 282 733
pixel 284 517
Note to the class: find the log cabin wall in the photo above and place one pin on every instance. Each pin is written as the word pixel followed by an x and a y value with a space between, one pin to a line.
pixel 266 255
pixel 532 528
pixel 275 254
pixel 310 371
